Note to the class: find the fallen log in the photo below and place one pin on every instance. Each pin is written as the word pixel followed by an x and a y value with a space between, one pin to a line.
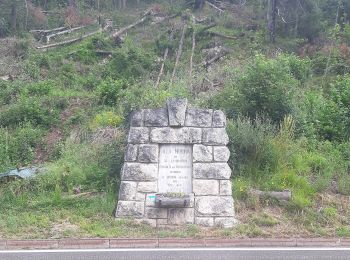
pixel 223 36
pixel 68 41
pixel 279 195
pixel 215 7
pixel 223 53
pixel 118 33
pixel 48 31
pixel 179 52
pixel 48 37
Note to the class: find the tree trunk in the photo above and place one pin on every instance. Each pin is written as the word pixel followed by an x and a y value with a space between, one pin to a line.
pixel 14 16
pixel 271 19
pixel 198 4
pixel 72 3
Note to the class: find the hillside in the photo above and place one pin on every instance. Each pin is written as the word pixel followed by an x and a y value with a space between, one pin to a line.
pixel 65 108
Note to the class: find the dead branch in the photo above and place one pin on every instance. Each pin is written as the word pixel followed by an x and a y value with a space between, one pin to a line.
pixel 215 7
pixel 68 41
pixel 48 37
pixel 179 52
pixel 164 59
pixel 279 195
pixel 223 53
pixel 45 32
pixel 223 36
pixel 117 34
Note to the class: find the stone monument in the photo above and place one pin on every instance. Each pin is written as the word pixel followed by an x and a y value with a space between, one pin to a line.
pixel 175 169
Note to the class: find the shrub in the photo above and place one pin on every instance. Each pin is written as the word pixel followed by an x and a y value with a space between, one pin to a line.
pixel 108 90
pixel 106 119
pixel 266 87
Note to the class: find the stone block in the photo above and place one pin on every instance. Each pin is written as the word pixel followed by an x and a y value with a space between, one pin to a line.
pixel 149 186
pixel 205 222
pixel 127 190
pixel 219 119
pixel 148 153
pixel 176 135
pixel 156 212
pixel 136 118
pixel 177 111
pixel 215 136
pixel 202 153
pixel 131 153
pixel 221 153
pixel 225 187
pixel 162 222
pixel 214 206
pixel 225 222
pixel 220 171
pixel 199 117
pixel 140 196
pixel 156 117
pixel 130 209
pixel 180 216
pixel 138 135
pixel 205 187
pixel 139 172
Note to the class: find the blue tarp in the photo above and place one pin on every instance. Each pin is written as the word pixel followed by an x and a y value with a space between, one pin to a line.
pixel 23 173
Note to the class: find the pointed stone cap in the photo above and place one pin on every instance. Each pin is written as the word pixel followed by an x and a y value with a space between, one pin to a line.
pixel 177 111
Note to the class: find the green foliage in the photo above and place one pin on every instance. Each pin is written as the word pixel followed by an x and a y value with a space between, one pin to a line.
pixel 266 87
pixel 109 90
pixel 17 148
pixel 106 119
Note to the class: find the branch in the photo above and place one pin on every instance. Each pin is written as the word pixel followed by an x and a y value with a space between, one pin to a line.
pixel 215 7
pixel 164 59
pixel 279 195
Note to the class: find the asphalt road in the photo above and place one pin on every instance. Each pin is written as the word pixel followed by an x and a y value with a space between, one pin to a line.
pixel 179 254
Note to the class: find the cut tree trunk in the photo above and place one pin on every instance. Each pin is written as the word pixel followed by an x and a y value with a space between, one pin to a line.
pixel 279 195
pixel 164 59
pixel 48 37
pixel 193 47
pixel 179 52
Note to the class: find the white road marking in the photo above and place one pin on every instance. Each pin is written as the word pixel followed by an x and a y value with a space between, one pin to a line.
pixel 177 249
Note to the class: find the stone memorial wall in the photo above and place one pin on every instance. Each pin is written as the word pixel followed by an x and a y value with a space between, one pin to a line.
pixel 175 169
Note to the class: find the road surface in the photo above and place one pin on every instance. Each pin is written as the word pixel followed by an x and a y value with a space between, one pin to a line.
pixel 182 253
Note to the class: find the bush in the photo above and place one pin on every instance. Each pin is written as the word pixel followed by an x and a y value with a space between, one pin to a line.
pixel 266 87
pixel 17 148
pixel 108 90
pixel 106 119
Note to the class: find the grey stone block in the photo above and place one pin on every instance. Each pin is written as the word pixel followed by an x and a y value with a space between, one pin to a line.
pixel 156 212
pixel 205 222
pixel 202 153
pixel 214 206
pixel 205 187
pixel 139 172
pixel 176 135
pixel 219 119
pixel 136 118
pixel 181 216
pixel 150 186
pixel 127 190
pixel 220 171
pixel 226 187
pixel 199 117
pixel 215 136
pixel 138 135
pixel 148 153
pixel 162 222
pixel 156 117
pixel 221 153
pixel 130 209
pixel 225 222
pixel 131 153
pixel 177 111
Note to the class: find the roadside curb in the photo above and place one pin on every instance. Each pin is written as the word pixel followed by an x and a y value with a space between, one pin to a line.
pixel 107 243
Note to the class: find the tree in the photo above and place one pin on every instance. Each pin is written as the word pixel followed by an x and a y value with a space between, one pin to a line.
pixel 271 19
pixel 198 4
